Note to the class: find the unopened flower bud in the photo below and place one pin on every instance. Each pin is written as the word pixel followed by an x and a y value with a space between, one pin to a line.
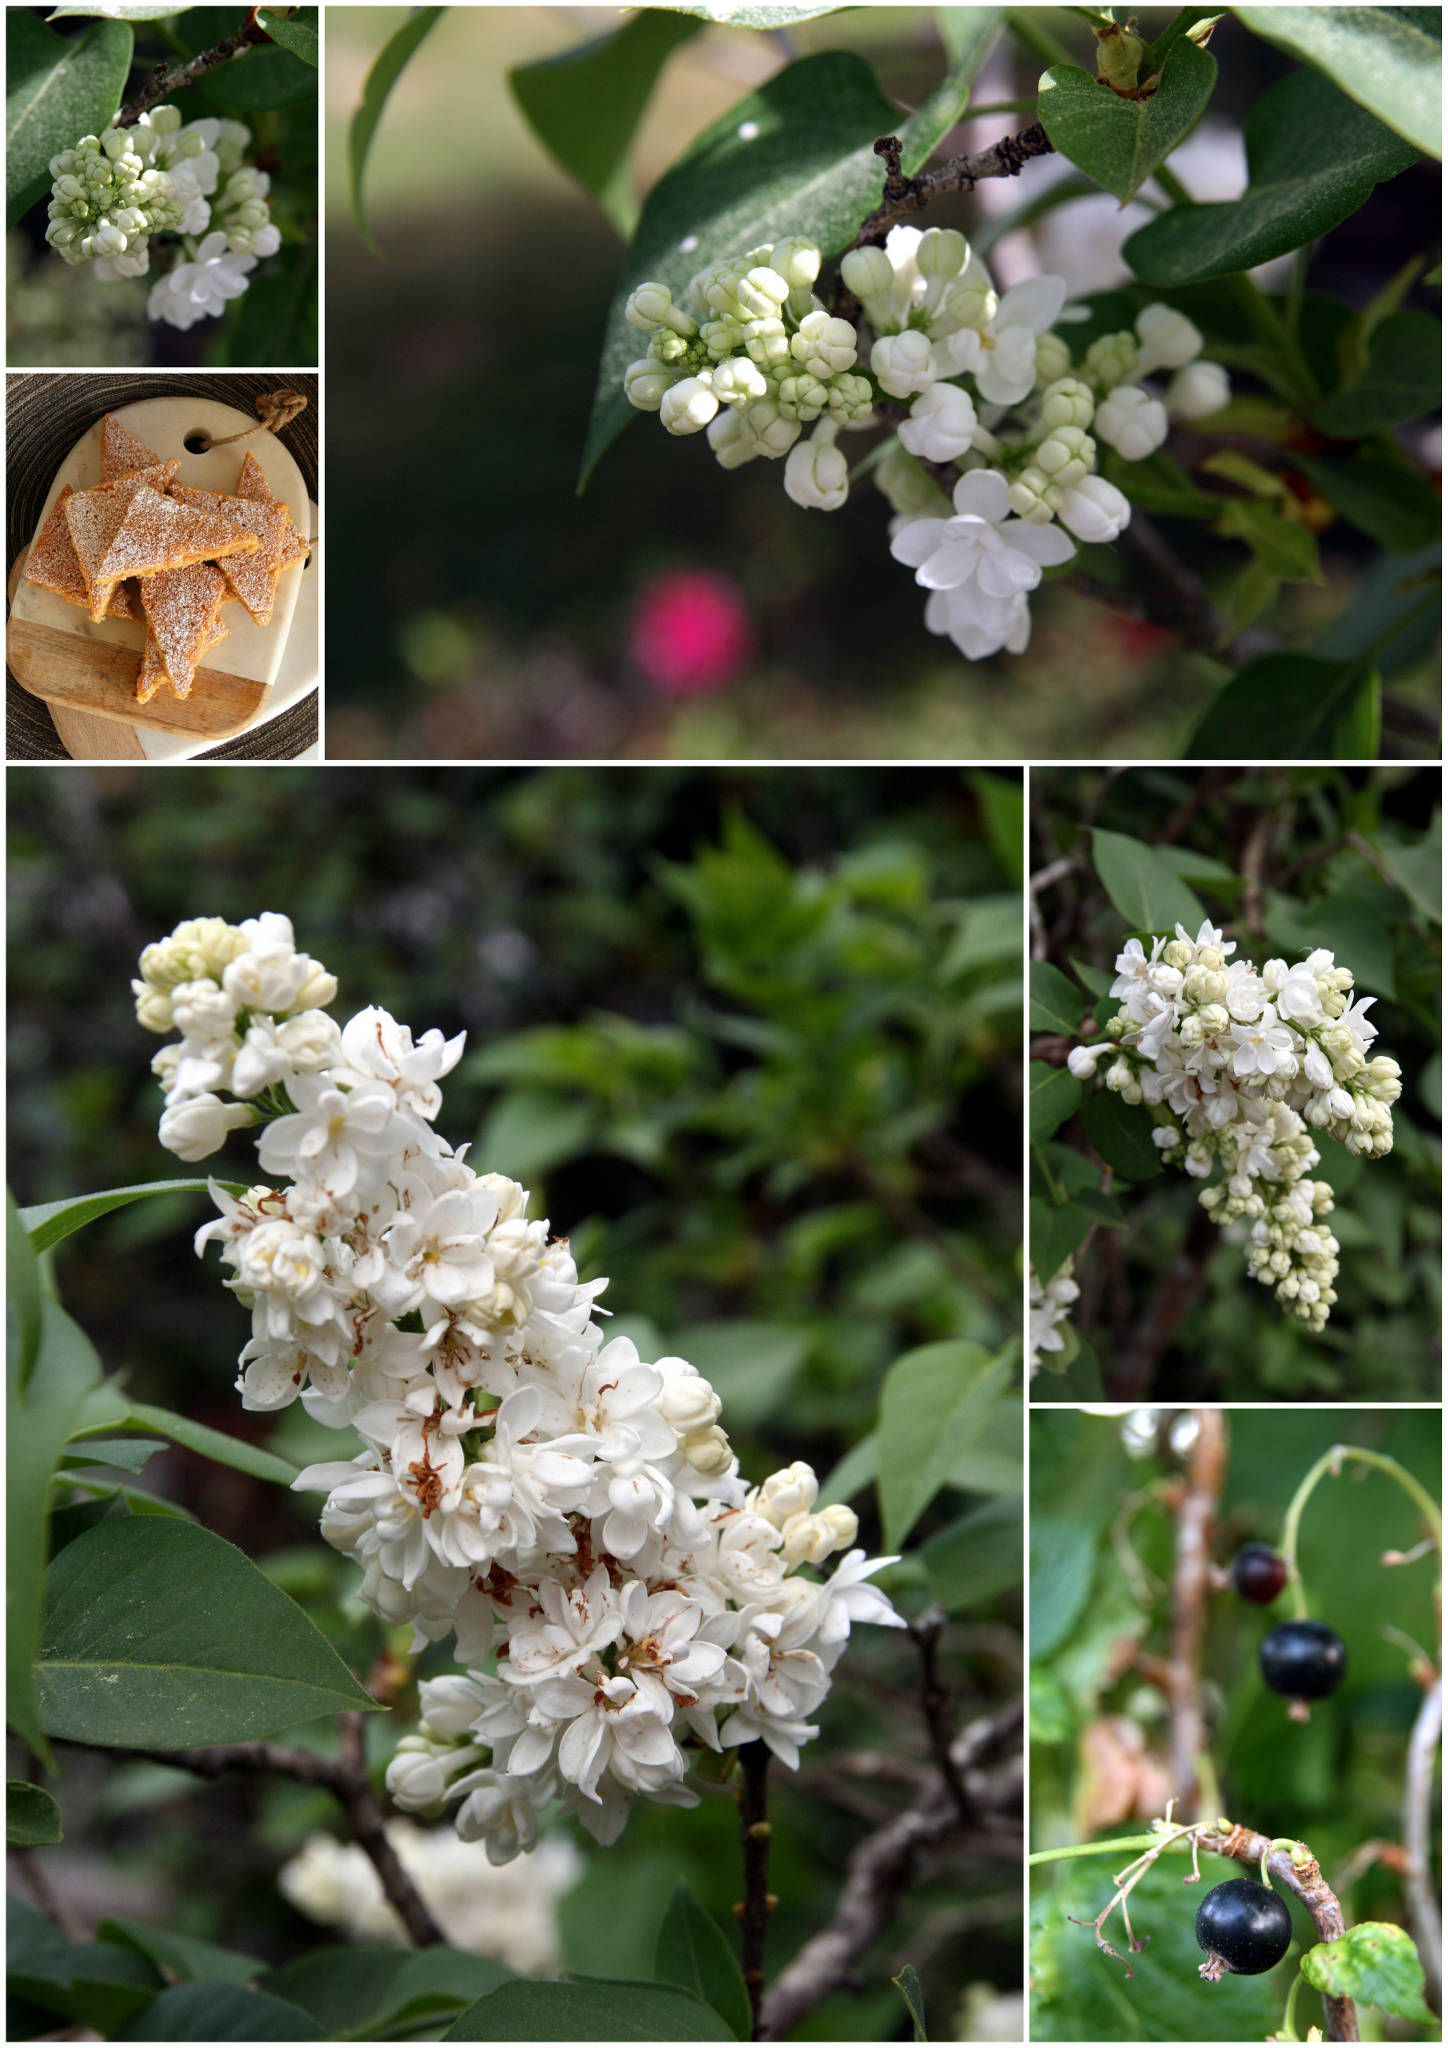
pixel 1168 339
pixel 688 406
pixel 1198 391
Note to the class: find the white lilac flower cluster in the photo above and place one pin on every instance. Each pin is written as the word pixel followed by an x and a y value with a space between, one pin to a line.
pixel 509 1914
pixel 1050 1305
pixel 113 192
pixel 559 1506
pixel 1240 1066
pixel 987 388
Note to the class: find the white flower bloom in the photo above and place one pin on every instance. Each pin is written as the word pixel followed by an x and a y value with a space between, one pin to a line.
pixel 904 364
pixel 941 425
pixel 198 1126
pixel 201 288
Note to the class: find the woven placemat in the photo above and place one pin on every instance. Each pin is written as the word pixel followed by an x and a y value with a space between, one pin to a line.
pixel 45 415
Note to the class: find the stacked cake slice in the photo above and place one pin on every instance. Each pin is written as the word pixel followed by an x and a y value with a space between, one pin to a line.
pixel 184 552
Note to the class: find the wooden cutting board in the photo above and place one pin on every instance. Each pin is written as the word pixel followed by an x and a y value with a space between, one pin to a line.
pixel 54 650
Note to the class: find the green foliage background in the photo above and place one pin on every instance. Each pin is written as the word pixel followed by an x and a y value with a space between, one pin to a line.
pixel 754 1040
pixel 1350 859
pixel 1335 1783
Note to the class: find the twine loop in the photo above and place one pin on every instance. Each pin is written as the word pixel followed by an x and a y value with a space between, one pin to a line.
pixel 277 409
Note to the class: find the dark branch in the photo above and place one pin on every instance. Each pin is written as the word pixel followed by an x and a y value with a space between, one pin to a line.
pixel 925 1633
pixel 903 195
pixel 1182 1676
pixel 754 1843
pixel 163 81
pixel 1308 1884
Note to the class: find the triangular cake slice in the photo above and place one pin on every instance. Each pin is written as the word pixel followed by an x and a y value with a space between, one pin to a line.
pixel 153 668
pixel 158 534
pixel 54 564
pixel 181 606
pixel 94 518
pixel 252 577
pixel 252 483
pixel 121 452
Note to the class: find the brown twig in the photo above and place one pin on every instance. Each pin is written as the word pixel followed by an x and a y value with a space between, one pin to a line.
pixel 1423 1909
pixel 883 1866
pixel 164 81
pixel 909 1217
pixel 903 195
pixel 1182 1674
pixel 46 1897
pixel 754 1912
pixel 1306 1881
pixel 345 1778
pixel 925 1633
pixel 1254 859
pixel 1180 1285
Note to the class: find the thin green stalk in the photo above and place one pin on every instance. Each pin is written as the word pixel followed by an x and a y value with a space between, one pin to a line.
pixel 1173 187
pixel 1094 1848
pixel 1288 2030
pixel 1021 106
pixel 1328 1463
pixel 1024 24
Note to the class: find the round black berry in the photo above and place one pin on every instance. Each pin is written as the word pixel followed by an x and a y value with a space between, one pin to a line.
pixel 1244 1927
pixel 1259 1573
pixel 1303 1660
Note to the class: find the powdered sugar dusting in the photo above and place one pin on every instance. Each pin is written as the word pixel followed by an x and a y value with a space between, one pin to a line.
pixel 181 607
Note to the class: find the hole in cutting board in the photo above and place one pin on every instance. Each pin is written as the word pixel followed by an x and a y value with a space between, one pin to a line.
pixel 198 442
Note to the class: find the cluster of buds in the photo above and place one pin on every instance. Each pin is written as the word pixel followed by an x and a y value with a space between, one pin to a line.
pixel 1239 1066
pixel 114 193
pixel 969 377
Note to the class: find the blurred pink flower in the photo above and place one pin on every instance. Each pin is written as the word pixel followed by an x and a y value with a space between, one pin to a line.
pixel 691 632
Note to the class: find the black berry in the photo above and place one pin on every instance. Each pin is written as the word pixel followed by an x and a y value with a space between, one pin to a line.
pixel 1244 1927
pixel 1259 1573
pixel 1303 1660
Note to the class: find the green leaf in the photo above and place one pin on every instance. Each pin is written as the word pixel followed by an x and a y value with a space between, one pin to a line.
pixel 1055 1095
pixel 1312 158
pixel 292 35
pixel 392 60
pixel 855 1471
pixel 588 2008
pixel 1358 734
pixel 1057 1230
pixel 1355 923
pixel 364 1993
pixel 694 1954
pixel 934 1403
pixel 767 17
pixel 1388 59
pixel 1121 142
pixel 1147 891
pixel 158 1634
pixel 88 1983
pixel 1374 1962
pixel 1403 379
pixel 969 33
pixel 1002 801
pixel 180 1954
pixel 32 1818
pixel 38 1421
pixel 908 1985
pixel 1056 1002
pixel 975 1557
pixel 49 1222
pixel 118 10
pixel 125 1454
pixel 794 158
pixel 1280 707
pixel 208 1443
pixel 24 1297
pixel 1418 869
pixel 57 88
pixel 752 1364
pixel 261 80
pixel 1284 548
pixel 1379 492
pixel 585 104
pixel 219 2012
pixel 1120 1135
pixel 529 1131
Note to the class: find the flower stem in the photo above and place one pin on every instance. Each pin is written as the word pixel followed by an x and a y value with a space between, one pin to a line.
pixel 1331 1463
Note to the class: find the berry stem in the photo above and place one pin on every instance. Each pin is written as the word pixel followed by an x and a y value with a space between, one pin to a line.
pixel 1330 1463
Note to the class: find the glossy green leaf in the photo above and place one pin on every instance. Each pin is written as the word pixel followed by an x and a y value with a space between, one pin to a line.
pixel 262 80
pixel 1058 1229
pixel 364 1993
pixel 1121 142
pixel 694 1953
pixel 86 1983
pixel 24 1297
pixel 1313 157
pixel 1376 1963
pixel 1056 1002
pixel 392 60
pixel 37 1423
pixel 908 1985
pixel 969 34
pixel 32 1818
pixel 1281 707
pixel 976 1556
pixel 1055 1094
pixel 180 1955
pixel 158 1634
pixel 1120 1134
pixel 214 1444
pixel 585 104
pixel 49 1222
pixel 855 1471
pixel 933 1405
pixel 1418 869
pixel 1002 800
pixel 1402 381
pixel 588 2009
pixel 794 158
pixel 1285 548
pixel 219 2012
pixel 1355 923
pixel 295 36
pixel 1377 491
pixel 57 88
pixel 124 1454
pixel 1388 59
pixel 1358 734
pixel 1147 891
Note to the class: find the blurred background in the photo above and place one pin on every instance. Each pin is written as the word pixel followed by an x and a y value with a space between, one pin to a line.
pixel 1105 1488
pixel 59 315
pixel 1345 858
pixel 753 1039
pixel 676 609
